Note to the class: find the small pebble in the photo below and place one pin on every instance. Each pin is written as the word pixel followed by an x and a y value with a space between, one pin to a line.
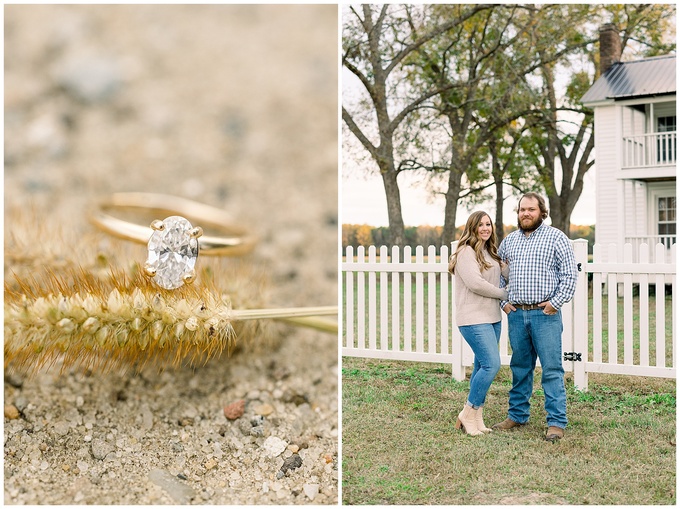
pixel 244 426
pixel 92 80
pixel 293 448
pixel 298 399
pixel 21 403
pixel 14 380
pixel 311 490
pixel 274 446
pixel 235 409
pixel 11 412
pixel 264 409
pixel 291 463
pixel 61 428
pixel 210 464
pixel 186 421
pixel 178 491
pixel 100 448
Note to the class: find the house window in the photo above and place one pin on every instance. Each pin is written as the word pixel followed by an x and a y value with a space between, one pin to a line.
pixel 666 145
pixel 666 219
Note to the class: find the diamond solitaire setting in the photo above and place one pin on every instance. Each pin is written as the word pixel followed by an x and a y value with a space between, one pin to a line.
pixel 173 249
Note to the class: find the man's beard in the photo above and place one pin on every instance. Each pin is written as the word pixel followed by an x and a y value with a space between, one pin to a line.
pixel 532 226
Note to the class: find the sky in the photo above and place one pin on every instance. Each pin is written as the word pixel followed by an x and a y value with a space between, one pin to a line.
pixel 363 202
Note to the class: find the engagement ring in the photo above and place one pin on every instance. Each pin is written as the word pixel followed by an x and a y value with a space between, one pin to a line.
pixel 174 243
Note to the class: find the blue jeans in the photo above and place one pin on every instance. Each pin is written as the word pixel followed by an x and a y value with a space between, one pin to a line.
pixel 483 339
pixel 533 333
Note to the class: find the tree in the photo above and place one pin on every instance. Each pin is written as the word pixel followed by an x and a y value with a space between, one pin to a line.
pixel 507 168
pixel 375 46
pixel 364 235
pixel 464 65
pixel 481 68
pixel 472 96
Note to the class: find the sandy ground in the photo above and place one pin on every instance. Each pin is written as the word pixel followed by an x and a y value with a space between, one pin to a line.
pixel 234 106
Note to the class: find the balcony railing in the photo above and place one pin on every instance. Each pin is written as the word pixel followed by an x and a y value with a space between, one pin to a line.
pixel 647 150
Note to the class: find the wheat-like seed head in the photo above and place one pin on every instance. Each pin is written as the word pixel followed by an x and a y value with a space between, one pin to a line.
pixel 84 302
pixel 117 322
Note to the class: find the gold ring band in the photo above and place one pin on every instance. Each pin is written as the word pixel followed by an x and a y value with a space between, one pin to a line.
pixel 236 243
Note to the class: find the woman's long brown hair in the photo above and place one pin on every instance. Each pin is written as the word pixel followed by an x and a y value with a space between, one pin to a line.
pixel 469 238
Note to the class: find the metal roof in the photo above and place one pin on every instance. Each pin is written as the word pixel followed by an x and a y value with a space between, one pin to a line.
pixel 624 80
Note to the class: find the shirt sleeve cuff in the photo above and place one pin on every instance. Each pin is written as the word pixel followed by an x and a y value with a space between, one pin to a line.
pixel 555 304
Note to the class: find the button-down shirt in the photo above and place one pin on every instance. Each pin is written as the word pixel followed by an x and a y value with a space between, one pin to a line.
pixel 542 267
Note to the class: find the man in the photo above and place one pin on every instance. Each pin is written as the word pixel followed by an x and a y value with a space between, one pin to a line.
pixel 542 278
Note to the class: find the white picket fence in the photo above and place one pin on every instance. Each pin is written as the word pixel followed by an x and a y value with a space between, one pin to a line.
pixel 398 307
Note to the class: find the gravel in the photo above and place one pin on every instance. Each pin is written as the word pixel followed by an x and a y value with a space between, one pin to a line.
pixel 234 106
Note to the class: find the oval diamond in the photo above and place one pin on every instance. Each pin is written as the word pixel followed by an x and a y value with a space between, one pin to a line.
pixel 172 252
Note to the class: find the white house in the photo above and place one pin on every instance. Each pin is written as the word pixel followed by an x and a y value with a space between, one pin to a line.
pixel 635 147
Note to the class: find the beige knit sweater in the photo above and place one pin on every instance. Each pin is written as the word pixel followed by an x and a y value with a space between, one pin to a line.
pixel 477 292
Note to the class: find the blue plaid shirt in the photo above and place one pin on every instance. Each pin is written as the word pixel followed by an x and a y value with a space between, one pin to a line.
pixel 542 267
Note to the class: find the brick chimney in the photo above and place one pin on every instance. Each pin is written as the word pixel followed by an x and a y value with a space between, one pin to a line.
pixel 610 46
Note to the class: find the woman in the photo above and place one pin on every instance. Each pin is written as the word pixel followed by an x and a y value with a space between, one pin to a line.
pixel 477 270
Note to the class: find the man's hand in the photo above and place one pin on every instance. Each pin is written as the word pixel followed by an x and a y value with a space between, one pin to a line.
pixel 508 308
pixel 548 309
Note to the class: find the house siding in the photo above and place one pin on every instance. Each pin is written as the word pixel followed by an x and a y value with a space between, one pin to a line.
pixel 640 208
pixel 633 122
pixel 628 100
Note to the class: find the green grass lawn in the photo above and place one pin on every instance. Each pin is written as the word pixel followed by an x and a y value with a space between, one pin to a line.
pixel 399 445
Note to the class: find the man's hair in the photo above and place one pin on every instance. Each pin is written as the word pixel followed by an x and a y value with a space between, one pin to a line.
pixel 541 203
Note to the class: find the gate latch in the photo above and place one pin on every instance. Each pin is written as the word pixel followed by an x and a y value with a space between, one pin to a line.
pixel 572 356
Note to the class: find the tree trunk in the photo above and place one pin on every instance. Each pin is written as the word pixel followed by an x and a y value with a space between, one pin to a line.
pixel 560 214
pixel 497 173
pixel 452 196
pixel 394 215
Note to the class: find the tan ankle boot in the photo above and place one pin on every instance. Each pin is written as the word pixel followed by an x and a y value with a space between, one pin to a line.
pixel 480 421
pixel 467 420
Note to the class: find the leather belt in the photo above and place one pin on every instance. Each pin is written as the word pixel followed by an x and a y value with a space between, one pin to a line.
pixel 527 307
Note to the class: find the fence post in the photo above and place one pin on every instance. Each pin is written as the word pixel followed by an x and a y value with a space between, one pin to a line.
pixel 457 366
pixel 580 314
pixel 349 300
